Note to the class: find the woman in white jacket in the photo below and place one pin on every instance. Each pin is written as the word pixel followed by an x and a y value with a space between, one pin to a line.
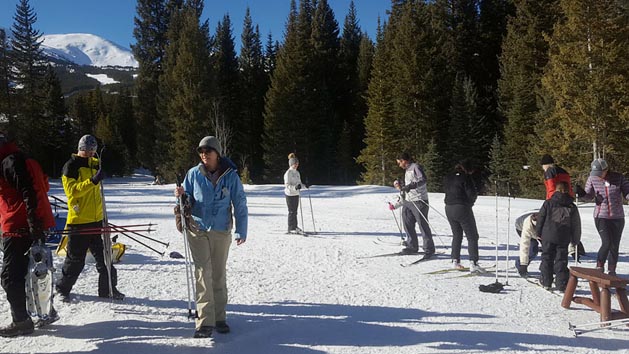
pixel 292 185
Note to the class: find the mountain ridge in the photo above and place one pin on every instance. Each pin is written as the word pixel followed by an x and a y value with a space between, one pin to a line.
pixel 87 49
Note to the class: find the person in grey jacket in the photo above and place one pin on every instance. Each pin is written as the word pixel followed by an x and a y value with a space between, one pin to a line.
pixel 214 193
pixel 414 201
pixel 607 189
pixel 292 186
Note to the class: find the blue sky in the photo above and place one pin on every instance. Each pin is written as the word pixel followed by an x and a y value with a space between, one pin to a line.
pixel 113 19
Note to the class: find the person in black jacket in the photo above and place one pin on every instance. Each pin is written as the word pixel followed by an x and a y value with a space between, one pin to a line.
pixel 559 223
pixel 460 196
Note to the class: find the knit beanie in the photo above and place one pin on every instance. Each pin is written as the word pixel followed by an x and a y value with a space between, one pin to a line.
pixel 292 159
pixel 210 142
pixel 546 160
pixel 87 143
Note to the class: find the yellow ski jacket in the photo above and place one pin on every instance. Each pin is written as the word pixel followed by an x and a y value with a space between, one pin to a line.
pixel 85 204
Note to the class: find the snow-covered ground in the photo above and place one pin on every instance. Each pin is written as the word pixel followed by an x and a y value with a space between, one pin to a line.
pixel 295 294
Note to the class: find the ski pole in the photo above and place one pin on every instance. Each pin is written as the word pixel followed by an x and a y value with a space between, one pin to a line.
pixel 106 234
pixel 435 209
pixel 124 229
pixel 312 212
pixel 398 225
pixel 496 193
pixel 190 285
pixel 301 213
pixel 143 244
pixel 428 222
pixel 508 231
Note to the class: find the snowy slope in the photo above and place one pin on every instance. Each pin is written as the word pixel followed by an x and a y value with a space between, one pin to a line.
pixel 304 295
pixel 87 49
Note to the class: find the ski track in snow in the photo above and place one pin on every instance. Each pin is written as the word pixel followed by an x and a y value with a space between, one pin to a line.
pixel 302 295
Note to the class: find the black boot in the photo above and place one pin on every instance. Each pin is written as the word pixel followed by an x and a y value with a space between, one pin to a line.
pixel 117 295
pixel 18 328
pixel 222 327
pixel 203 332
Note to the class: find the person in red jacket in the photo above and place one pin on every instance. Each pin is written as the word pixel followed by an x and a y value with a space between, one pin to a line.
pixel 24 214
pixel 554 174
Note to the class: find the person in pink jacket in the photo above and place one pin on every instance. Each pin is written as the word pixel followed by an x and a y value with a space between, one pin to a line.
pixel 607 189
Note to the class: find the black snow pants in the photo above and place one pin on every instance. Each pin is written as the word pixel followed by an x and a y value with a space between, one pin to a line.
pixel 292 201
pixel 78 244
pixel 554 260
pixel 13 276
pixel 610 231
pixel 461 219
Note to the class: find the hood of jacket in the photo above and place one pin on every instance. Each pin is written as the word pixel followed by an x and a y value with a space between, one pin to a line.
pixel 563 199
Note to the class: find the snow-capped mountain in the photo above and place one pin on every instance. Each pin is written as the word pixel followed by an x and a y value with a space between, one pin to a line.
pixel 87 49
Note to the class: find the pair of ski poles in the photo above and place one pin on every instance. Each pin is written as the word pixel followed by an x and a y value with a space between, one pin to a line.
pixel 301 212
pixel 190 281
pixel 423 217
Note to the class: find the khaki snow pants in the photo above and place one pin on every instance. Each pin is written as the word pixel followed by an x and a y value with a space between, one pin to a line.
pixel 209 251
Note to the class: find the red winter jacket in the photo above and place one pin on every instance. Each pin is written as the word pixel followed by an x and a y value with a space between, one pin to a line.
pixel 23 192
pixel 552 176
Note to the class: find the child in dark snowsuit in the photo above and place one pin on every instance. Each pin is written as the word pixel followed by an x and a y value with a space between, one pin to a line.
pixel 558 224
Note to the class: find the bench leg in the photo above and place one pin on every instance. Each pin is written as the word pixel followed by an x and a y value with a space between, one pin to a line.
pixel 622 299
pixel 606 305
pixel 596 294
pixel 570 288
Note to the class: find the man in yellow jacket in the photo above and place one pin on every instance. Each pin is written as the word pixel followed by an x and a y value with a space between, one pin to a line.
pixel 81 180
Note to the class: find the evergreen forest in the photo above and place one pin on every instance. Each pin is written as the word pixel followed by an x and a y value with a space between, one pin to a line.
pixel 499 82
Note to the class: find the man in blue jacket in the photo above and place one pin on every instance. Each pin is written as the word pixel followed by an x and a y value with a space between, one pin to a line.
pixel 211 189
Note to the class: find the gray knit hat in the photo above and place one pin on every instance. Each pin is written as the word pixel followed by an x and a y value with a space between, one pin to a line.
pixel 87 143
pixel 210 142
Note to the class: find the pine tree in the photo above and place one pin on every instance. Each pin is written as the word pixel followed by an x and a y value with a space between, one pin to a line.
pixel 378 156
pixel 151 25
pixel 351 107
pixel 28 73
pixel 324 76
pixel 227 80
pixel 414 120
pixel 524 56
pixel 185 91
pixel 586 83
pixel 5 97
pixel 467 128
pixel 289 109
pixel 270 54
pixel 56 134
pixel 254 85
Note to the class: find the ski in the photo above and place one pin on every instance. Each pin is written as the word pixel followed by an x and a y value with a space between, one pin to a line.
pixel 423 259
pixel 535 281
pixel 393 255
pixel 379 241
pixel 452 270
pixel 301 233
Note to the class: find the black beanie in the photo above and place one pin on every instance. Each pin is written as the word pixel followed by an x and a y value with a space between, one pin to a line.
pixel 546 160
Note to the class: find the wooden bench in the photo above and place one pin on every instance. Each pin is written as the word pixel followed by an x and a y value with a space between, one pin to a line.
pixel 600 285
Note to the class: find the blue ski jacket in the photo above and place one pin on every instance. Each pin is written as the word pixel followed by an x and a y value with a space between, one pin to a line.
pixel 212 203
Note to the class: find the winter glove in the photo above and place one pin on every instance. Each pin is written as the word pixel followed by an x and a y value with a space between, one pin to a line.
pixel 406 188
pixel 35 230
pixel 579 190
pixel 523 270
pixel 298 187
pixel 97 177
pixel 598 199
pixel 391 207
